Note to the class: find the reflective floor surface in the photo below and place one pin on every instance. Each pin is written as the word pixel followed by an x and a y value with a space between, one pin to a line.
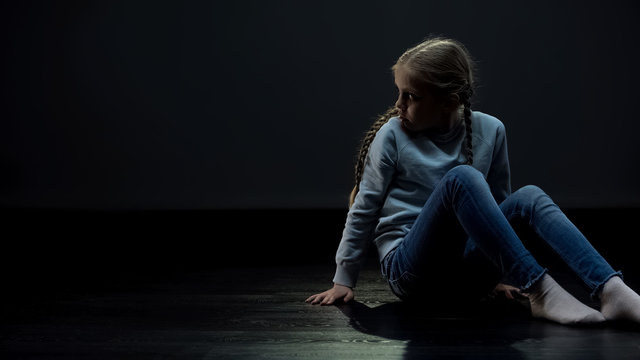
pixel 260 313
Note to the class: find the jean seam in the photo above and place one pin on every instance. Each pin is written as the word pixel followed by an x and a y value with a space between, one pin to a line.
pixel 534 280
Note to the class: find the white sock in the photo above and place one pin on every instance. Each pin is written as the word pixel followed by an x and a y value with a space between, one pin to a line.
pixel 619 302
pixel 550 301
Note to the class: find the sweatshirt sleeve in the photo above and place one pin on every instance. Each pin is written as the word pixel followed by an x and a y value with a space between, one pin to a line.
pixel 362 217
pixel 499 177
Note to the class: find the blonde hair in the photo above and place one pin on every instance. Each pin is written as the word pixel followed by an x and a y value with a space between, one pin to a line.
pixel 446 66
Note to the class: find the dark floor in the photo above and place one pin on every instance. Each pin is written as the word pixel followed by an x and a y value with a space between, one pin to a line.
pixel 79 285
pixel 260 313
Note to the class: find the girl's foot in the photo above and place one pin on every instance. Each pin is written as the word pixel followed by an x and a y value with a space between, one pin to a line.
pixel 550 301
pixel 619 302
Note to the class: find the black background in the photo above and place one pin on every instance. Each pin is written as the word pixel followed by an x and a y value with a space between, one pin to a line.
pixel 251 105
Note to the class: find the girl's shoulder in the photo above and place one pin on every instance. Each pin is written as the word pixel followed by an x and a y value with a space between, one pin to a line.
pixel 392 129
pixel 486 121
pixel 390 136
pixel 486 125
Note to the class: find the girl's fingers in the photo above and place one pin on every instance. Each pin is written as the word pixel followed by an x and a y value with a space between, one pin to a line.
pixel 348 297
pixel 329 297
pixel 316 298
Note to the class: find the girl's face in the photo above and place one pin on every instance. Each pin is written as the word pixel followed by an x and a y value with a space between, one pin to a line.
pixel 419 108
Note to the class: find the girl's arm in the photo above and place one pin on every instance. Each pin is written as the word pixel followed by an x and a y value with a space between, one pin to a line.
pixel 362 218
pixel 379 169
pixel 499 176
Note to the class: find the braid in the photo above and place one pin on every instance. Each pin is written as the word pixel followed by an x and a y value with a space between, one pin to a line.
pixel 467 122
pixel 364 147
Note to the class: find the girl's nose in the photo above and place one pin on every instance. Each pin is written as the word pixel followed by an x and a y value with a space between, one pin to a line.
pixel 400 104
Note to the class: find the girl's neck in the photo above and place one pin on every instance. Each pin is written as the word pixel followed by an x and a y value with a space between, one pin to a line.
pixel 450 122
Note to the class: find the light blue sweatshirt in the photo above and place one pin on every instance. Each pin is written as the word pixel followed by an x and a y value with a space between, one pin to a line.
pixel 399 175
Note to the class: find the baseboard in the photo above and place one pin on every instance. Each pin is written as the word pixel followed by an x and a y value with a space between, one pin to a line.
pixel 44 245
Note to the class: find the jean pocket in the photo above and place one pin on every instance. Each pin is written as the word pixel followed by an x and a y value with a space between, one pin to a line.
pixel 404 285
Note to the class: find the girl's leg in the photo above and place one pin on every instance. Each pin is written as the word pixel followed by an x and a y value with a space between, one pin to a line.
pixel 532 205
pixel 462 204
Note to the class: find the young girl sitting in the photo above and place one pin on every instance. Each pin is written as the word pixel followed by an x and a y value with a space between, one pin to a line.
pixel 433 193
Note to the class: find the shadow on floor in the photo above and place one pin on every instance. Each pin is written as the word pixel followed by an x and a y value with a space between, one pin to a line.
pixel 492 328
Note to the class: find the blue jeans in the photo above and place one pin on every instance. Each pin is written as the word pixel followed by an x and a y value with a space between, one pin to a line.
pixel 463 242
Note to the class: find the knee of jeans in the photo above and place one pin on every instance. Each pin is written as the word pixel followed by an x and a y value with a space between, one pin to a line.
pixel 527 201
pixel 530 190
pixel 531 194
pixel 460 178
pixel 463 172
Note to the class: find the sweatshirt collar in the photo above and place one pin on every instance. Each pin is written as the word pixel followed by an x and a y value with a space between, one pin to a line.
pixel 441 137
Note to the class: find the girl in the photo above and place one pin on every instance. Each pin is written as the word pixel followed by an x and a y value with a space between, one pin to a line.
pixel 433 192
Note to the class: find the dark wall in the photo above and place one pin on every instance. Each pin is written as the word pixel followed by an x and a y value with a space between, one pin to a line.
pixel 199 105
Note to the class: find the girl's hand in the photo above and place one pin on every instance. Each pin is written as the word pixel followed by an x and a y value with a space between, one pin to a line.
pixel 338 292
pixel 508 291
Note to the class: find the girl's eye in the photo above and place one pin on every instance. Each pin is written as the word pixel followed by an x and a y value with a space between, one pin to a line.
pixel 411 96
